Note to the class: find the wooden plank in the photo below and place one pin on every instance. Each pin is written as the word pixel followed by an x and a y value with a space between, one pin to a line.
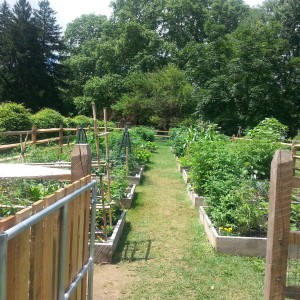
pixel 80 236
pixel 10 133
pixel 292 292
pixel 36 255
pixel 75 239
pixel 295 238
pixel 47 140
pixel 47 264
pixel 56 241
pixel 68 190
pixel 296 182
pixel 22 257
pixel 280 197
pixel 7 223
pixel 47 130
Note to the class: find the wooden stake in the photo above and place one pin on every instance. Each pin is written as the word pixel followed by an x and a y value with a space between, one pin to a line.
pixel 61 141
pixel 99 168
pixel 96 135
pixel 107 154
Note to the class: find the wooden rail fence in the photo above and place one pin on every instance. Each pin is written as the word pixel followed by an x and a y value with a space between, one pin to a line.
pixel 33 255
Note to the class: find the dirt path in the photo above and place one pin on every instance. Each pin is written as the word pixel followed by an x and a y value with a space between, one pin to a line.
pixel 143 239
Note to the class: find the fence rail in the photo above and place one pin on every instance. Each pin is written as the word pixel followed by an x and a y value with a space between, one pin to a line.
pixel 44 252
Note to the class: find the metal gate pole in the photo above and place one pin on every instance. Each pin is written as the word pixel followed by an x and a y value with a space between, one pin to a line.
pixel 92 244
pixel 63 249
pixel 3 265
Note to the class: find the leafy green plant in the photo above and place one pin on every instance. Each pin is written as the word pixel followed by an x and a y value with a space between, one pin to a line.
pixel 240 209
pixel 47 118
pixel 144 132
pixel 19 192
pixel 13 117
pixel 183 138
pixel 269 129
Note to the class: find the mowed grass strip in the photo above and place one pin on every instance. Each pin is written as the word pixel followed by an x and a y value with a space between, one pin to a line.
pixel 165 249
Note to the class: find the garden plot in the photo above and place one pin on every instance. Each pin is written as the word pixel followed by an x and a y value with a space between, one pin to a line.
pixel 104 250
pixel 233 177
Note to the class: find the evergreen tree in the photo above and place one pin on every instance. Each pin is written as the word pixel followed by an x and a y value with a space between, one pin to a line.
pixel 5 22
pixel 49 38
pixel 30 66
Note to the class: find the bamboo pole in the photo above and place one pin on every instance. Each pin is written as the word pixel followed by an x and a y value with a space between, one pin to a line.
pixel 107 163
pixel 99 168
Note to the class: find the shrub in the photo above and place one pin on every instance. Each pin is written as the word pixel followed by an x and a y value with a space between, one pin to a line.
pixel 144 132
pixel 269 129
pixel 81 119
pixel 13 117
pixel 47 118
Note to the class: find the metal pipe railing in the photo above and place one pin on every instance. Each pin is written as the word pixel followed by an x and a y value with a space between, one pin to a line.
pixel 19 228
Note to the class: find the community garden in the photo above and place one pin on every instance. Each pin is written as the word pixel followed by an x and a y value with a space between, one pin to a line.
pixel 233 174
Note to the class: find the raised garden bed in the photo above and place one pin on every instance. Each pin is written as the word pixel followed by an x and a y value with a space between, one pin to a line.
pixel 241 246
pixel 185 175
pixel 136 179
pixel 196 199
pixel 126 202
pixel 105 250
pixel 179 166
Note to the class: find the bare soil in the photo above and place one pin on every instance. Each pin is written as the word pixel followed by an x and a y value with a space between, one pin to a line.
pixel 109 281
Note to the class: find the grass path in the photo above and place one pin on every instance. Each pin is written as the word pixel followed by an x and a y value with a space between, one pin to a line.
pixel 164 253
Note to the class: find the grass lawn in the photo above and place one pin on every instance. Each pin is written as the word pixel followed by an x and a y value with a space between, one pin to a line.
pixel 164 249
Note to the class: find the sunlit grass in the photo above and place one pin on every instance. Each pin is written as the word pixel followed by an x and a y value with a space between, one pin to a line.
pixel 165 248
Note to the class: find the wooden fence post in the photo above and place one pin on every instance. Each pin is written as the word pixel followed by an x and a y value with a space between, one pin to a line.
pixel 278 225
pixel 61 141
pixel 81 162
pixel 33 134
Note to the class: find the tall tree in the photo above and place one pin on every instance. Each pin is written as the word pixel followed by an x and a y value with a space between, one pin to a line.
pixel 30 44
pixel 5 44
pixel 84 29
pixel 52 47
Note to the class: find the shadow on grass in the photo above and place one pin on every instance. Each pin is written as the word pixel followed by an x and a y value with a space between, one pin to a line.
pixel 131 250
pixel 135 201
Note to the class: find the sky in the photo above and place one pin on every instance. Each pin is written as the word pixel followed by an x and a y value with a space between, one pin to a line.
pixel 69 10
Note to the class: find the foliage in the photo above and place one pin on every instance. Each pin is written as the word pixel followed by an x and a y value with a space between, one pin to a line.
pixel 40 154
pixel 182 138
pixel 47 118
pixel 29 58
pixel 269 129
pixel 13 117
pixel 83 29
pixel 19 192
pixel 241 210
pixel 160 98
pixel 232 175
pixel 144 132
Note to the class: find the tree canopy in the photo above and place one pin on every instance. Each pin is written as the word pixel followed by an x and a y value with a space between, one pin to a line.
pixel 167 62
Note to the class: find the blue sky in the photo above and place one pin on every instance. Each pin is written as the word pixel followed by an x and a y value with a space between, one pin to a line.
pixel 68 10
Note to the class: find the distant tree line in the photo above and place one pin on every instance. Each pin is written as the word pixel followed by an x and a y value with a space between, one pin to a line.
pixel 30 55
pixel 166 62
